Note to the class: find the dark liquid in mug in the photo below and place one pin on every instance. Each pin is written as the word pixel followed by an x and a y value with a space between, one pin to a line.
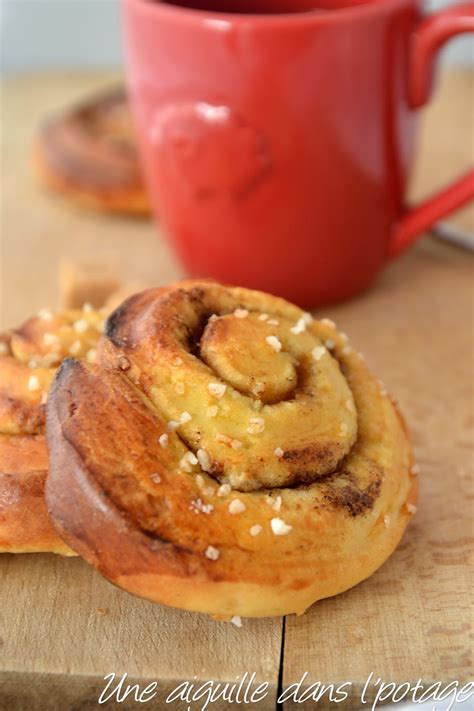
pixel 262 7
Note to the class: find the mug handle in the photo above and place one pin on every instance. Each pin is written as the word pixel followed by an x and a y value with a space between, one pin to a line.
pixel 428 40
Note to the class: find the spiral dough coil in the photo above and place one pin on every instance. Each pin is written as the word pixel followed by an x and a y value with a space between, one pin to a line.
pixel 227 454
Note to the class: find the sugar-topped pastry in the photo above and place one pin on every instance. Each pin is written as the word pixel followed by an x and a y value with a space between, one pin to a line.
pixel 227 453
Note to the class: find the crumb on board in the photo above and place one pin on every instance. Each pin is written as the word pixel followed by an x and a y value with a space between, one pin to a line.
pixel 86 282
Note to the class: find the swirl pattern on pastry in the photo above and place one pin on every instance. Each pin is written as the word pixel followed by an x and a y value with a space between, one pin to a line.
pixel 88 153
pixel 29 356
pixel 227 454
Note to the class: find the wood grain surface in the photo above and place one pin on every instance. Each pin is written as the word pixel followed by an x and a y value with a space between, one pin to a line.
pixel 413 618
pixel 62 627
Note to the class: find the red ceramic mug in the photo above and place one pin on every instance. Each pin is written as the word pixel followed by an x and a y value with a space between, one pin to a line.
pixel 277 135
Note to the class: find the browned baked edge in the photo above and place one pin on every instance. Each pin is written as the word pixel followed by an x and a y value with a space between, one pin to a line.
pixel 25 526
pixel 126 201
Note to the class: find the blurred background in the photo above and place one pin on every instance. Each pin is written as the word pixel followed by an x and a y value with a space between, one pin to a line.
pixel 45 34
pixel 56 53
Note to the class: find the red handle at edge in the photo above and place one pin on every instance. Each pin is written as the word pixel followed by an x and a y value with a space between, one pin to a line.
pixel 428 40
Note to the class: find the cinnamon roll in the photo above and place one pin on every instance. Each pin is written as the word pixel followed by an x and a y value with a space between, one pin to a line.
pixel 29 357
pixel 88 154
pixel 227 454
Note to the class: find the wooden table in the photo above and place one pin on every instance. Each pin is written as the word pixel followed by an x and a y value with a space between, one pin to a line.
pixel 63 627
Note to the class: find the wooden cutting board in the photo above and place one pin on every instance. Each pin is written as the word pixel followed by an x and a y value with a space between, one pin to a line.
pixel 63 628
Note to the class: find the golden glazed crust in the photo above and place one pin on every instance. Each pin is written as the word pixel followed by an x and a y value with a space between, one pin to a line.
pixel 28 361
pixel 25 526
pixel 88 154
pixel 183 482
